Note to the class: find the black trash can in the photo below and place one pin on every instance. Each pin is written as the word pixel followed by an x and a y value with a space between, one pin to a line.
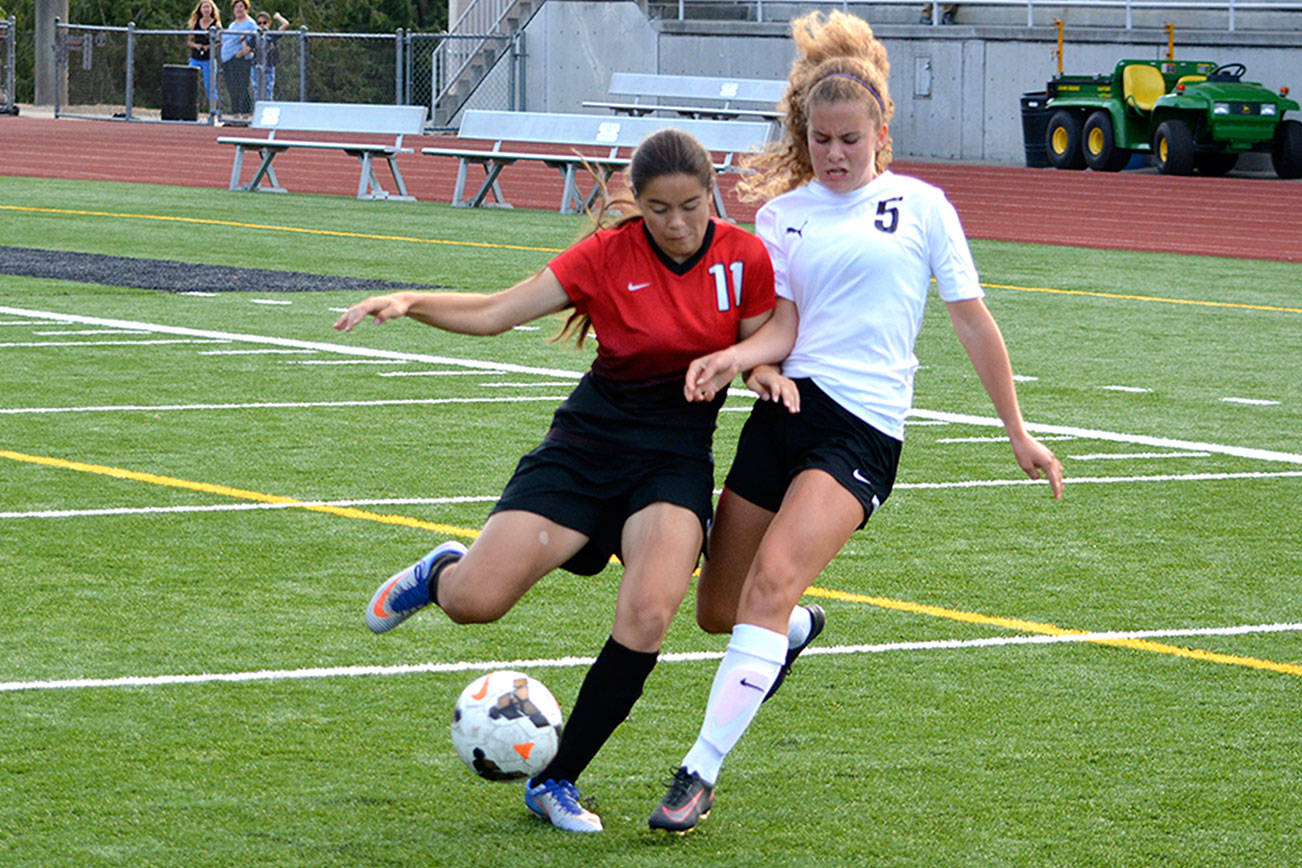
pixel 180 92
pixel 1035 124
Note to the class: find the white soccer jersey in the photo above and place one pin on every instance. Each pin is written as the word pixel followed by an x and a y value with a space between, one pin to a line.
pixel 858 267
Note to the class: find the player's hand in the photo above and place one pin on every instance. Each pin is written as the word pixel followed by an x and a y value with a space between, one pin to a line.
pixel 381 307
pixel 767 382
pixel 708 374
pixel 1038 461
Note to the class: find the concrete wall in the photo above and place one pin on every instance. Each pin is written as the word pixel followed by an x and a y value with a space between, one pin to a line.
pixel 956 88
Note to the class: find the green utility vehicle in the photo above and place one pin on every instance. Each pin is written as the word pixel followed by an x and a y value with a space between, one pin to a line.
pixel 1190 114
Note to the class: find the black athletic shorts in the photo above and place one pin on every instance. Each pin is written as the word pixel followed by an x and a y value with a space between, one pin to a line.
pixel 776 445
pixel 584 487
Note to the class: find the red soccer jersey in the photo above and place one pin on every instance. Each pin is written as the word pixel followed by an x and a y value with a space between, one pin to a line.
pixel 652 315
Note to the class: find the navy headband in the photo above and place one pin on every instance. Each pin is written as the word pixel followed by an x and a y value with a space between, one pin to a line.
pixel 871 89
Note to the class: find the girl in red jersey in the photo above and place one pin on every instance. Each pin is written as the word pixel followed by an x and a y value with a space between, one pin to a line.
pixel 626 467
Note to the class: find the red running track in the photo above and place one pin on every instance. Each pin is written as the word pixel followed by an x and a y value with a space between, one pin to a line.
pixel 1245 217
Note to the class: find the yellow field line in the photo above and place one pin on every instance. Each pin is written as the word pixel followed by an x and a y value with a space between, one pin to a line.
pixel 337 233
pixel 1054 630
pixel 1121 295
pixel 469 533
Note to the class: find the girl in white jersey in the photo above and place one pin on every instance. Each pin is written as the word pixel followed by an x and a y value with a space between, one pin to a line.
pixel 854 249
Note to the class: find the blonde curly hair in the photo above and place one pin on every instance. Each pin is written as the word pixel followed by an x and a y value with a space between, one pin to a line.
pixel 837 59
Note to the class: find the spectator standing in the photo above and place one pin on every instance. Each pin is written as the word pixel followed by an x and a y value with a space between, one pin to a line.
pixel 237 58
pixel 271 55
pixel 204 16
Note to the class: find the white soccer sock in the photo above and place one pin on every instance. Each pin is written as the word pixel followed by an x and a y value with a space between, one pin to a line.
pixel 798 626
pixel 754 657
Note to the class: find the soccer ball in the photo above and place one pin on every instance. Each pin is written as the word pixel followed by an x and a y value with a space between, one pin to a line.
pixel 506 725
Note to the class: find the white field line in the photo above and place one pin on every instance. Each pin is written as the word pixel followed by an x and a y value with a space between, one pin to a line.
pixel 441 374
pixel 993 439
pixel 1256 402
pixel 567 662
pixel 253 352
pixel 486 498
pixel 84 332
pixel 1123 456
pixel 369 352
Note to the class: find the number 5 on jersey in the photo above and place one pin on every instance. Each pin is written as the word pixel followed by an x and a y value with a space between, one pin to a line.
pixel 721 284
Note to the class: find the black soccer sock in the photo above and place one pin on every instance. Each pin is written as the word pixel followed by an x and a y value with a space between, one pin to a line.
pixel 609 690
pixel 436 569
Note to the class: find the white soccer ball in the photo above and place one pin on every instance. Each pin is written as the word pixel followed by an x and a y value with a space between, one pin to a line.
pixel 506 725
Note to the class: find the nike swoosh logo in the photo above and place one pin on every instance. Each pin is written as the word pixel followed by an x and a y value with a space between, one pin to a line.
pixel 745 683
pixel 634 287
pixel 859 477
pixel 482 692
pixel 686 809
pixel 379 609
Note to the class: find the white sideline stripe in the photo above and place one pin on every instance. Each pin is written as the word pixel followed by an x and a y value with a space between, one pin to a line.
pixel 28 322
pixel 1120 456
pixel 269 301
pixel 82 332
pixel 1111 436
pixel 994 439
pixel 323 346
pixel 567 662
pixel 438 501
pixel 278 405
pixel 1257 402
pixel 253 352
pixel 350 362
pixel 441 374
pixel 533 385
pixel 1135 389
pixel 350 350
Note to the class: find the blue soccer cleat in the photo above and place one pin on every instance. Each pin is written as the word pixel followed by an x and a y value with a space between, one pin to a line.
pixel 558 801
pixel 407 592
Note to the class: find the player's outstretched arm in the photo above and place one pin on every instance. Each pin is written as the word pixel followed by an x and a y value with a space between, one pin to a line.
pixel 980 336
pixel 771 343
pixel 467 313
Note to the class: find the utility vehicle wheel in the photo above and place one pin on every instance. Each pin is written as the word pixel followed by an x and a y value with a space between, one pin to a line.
pixel 1287 154
pixel 1099 144
pixel 1173 148
pixel 1062 141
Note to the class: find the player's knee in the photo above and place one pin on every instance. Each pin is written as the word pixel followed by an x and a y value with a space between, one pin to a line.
pixel 467 605
pixel 713 617
pixel 642 625
pixel 774 582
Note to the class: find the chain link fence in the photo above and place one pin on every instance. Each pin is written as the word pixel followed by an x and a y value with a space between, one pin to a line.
pixel 8 80
pixel 142 75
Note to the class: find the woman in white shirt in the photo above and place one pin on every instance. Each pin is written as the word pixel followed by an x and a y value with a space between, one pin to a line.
pixel 854 249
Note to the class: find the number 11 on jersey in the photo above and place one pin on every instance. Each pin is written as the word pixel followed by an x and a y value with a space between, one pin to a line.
pixel 721 284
